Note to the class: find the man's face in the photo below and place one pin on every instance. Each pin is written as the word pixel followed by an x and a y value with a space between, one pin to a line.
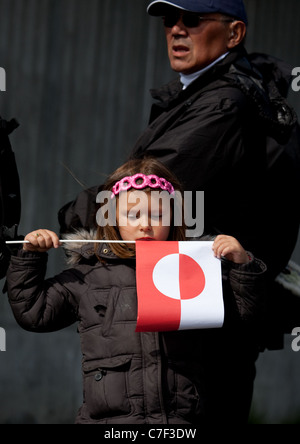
pixel 193 48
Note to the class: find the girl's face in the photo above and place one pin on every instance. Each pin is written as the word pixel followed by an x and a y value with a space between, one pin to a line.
pixel 142 215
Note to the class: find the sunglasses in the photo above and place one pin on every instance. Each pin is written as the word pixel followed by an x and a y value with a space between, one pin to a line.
pixel 190 20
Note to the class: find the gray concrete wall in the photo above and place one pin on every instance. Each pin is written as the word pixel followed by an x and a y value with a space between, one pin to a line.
pixel 78 75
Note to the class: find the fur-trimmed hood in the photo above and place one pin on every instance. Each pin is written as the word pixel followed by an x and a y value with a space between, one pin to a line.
pixel 76 251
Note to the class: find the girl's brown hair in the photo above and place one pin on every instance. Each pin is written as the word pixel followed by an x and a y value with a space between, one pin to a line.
pixel 145 166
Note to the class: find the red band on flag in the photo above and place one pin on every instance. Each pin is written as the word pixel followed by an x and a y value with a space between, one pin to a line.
pixel 154 308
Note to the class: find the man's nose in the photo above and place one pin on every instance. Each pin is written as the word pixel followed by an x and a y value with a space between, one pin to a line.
pixel 179 27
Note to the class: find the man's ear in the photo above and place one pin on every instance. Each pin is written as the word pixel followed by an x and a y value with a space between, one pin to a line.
pixel 237 33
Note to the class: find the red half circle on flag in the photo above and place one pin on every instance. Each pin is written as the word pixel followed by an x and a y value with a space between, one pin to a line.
pixel 191 278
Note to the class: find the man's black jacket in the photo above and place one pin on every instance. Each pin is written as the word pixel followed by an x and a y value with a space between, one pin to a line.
pixel 226 135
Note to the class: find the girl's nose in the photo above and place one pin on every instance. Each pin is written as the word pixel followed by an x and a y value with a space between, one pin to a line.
pixel 145 223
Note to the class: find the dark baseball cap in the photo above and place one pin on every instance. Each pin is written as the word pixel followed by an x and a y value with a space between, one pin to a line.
pixel 233 8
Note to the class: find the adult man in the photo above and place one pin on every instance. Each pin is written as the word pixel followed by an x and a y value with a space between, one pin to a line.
pixel 225 127
pixel 210 126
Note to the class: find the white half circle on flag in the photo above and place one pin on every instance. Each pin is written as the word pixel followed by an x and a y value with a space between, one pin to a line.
pixel 166 276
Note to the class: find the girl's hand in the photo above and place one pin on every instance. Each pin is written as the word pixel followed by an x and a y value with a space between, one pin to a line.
pixel 41 241
pixel 231 249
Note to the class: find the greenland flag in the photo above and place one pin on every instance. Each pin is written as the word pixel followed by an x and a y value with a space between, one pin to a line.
pixel 179 286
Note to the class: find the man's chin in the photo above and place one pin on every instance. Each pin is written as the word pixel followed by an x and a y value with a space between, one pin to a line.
pixel 182 68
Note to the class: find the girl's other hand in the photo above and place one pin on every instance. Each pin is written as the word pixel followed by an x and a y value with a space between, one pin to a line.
pixel 231 249
pixel 41 241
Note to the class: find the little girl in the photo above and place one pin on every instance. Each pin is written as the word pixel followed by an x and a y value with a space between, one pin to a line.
pixel 182 377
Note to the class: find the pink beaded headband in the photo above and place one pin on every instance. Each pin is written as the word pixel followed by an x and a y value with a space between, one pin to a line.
pixel 151 181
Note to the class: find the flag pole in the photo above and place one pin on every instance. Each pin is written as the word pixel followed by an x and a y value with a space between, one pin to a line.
pixel 78 241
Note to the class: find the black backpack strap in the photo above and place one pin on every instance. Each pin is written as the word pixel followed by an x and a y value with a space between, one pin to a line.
pixel 10 195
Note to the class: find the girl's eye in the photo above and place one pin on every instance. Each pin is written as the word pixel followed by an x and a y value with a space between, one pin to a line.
pixel 132 215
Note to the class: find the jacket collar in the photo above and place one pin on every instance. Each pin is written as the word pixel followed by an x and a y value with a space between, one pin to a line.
pixel 262 79
pixel 173 90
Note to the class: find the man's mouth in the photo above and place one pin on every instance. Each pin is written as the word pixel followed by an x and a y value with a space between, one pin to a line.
pixel 180 50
